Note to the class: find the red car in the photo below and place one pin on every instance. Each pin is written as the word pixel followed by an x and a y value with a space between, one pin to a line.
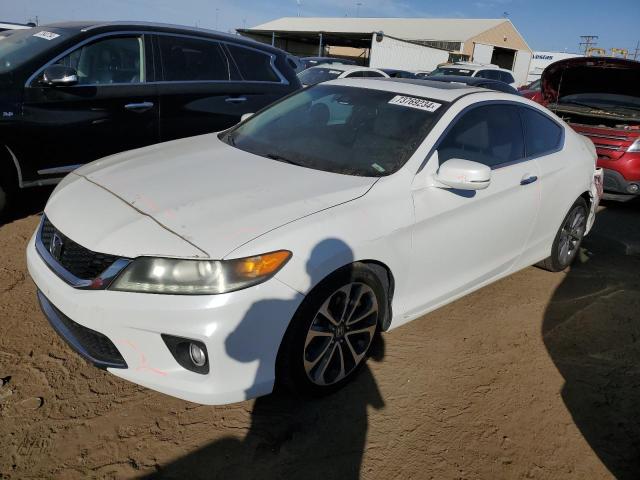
pixel 531 91
pixel 600 98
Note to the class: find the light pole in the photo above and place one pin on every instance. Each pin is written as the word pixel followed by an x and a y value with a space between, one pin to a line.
pixel 358 5
pixel 217 15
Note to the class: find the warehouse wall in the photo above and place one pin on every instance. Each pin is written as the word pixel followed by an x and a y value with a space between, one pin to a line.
pixel 394 53
pixel 496 36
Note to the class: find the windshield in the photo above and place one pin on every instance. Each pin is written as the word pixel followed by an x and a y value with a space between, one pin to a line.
pixel 438 72
pixel 21 45
pixel 318 75
pixel 340 129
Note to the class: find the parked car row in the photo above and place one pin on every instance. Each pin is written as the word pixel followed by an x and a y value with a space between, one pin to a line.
pixel 276 248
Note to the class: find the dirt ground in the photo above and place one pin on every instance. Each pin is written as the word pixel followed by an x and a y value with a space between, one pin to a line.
pixel 536 376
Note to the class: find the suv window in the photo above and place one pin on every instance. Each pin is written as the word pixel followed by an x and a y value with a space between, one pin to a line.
pixel 253 65
pixel 490 134
pixel 490 74
pixel 110 60
pixel 542 135
pixel 506 77
pixel 192 59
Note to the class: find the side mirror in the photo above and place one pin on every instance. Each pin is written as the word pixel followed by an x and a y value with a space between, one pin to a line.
pixel 464 174
pixel 246 116
pixel 59 76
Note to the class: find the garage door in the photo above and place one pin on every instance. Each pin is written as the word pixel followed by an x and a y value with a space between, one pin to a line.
pixel 482 53
pixel 521 67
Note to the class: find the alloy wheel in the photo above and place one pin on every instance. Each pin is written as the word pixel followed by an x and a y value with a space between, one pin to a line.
pixel 340 335
pixel 571 235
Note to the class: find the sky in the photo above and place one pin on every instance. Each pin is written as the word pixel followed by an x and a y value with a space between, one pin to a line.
pixel 553 25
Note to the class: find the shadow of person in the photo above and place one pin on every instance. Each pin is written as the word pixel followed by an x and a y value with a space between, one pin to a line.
pixel 591 330
pixel 289 437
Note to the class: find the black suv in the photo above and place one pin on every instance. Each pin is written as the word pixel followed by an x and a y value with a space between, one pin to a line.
pixel 74 92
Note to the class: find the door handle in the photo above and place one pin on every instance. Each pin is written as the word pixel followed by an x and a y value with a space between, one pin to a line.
pixel 139 107
pixel 235 99
pixel 528 180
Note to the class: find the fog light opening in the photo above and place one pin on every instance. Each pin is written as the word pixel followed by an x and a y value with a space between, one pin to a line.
pixel 633 188
pixel 198 357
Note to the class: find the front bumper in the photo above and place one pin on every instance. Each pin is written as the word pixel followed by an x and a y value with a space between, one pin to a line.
pixel 242 332
pixel 616 183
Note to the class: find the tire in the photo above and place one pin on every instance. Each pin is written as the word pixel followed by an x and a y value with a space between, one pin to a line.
pixel 567 243
pixel 321 352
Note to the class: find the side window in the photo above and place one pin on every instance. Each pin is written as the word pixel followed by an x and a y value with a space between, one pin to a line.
pixel 253 65
pixel 490 74
pixel 192 59
pixel 542 135
pixel 358 74
pixel 490 134
pixel 111 60
pixel 368 73
pixel 506 77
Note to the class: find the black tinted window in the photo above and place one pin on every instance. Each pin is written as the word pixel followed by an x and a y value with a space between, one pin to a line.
pixel 491 74
pixel 490 134
pixel 506 77
pixel 370 74
pixel 189 59
pixel 541 133
pixel 253 65
pixel 112 60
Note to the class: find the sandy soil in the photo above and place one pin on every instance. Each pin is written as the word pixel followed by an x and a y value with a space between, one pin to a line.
pixel 536 376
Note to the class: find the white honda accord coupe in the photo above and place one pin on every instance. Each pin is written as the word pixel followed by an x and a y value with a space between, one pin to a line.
pixel 212 267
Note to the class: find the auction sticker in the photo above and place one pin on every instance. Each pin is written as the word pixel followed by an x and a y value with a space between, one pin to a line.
pixel 413 102
pixel 46 35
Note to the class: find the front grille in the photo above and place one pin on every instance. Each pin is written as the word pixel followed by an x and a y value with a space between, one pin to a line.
pixel 80 261
pixel 92 345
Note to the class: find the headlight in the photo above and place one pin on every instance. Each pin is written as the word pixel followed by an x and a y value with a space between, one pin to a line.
pixel 635 146
pixel 198 277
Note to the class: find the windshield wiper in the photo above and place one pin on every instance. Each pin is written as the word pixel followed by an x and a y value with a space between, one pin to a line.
pixel 280 158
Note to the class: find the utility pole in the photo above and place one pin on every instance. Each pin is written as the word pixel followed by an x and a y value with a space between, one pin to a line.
pixel 636 52
pixel 358 5
pixel 217 15
pixel 587 42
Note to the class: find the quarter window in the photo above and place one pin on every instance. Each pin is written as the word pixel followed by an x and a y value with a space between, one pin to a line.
pixel 506 77
pixel 253 65
pixel 192 59
pixel 490 134
pixel 542 135
pixel 111 60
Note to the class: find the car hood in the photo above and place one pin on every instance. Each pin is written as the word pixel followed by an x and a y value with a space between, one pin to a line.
pixel 215 196
pixel 590 75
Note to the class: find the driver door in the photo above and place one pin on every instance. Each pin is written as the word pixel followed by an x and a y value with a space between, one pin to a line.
pixel 465 238
pixel 113 107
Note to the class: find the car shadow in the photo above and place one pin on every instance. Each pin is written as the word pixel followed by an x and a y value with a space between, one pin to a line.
pixel 591 330
pixel 289 437
pixel 25 203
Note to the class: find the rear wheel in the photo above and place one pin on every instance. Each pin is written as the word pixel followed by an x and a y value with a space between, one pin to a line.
pixel 568 239
pixel 330 335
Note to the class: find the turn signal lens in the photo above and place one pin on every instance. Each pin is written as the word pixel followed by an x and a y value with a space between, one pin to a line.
pixel 254 267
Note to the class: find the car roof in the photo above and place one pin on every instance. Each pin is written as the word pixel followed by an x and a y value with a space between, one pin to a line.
pixel 339 66
pixel 446 92
pixel 475 67
pixel 99 26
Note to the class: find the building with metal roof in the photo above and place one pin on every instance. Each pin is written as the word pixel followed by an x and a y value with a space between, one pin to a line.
pixel 491 41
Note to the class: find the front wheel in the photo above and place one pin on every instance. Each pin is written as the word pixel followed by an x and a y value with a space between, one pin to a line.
pixel 568 239
pixel 330 335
